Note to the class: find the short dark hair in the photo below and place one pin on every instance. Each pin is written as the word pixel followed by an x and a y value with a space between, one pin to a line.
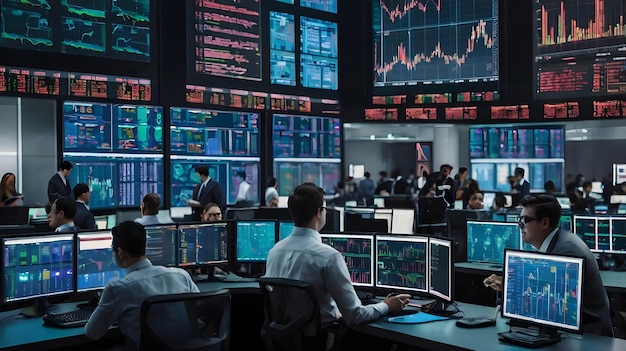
pixel 271 182
pixel 131 237
pixel 151 203
pixel 586 184
pixel 202 170
pixel 463 170
pixel 65 165
pixel 304 203
pixel 549 185
pixel 382 173
pixel 80 189
pixel 520 171
pixel 499 200
pixel 366 174
pixel 546 206
pixel 445 165
pixel 242 174
pixel 67 205
pixel 209 206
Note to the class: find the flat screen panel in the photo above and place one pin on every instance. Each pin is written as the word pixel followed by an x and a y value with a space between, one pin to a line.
pixel 486 241
pixel 95 261
pixel 282 49
pixel 357 251
pixel 162 244
pixel 401 263
pixel 254 240
pixel 203 244
pixel 441 268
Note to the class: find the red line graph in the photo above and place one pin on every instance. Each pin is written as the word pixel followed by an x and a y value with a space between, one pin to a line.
pixel 399 12
pixel 478 34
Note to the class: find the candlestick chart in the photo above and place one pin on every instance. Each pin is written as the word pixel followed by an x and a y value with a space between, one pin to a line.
pixel 434 41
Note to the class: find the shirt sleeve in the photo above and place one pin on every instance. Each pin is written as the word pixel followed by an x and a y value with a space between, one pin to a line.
pixel 342 291
pixel 107 312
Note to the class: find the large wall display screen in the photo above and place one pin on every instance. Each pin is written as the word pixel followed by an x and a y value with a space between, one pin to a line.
pixel 225 38
pixel 107 28
pixel 579 48
pixel 434 41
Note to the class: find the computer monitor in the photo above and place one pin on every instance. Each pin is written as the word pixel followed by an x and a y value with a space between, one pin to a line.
pixel 432 210
pixel 618 199
pixel 441 268
pixel 565 223
pixel 618 234
pixel 284 229
pixel 403 221
pixel 203 244
pixel 37 266
pixel 358 252
pixel 14 215
pixel 95 265
pixel 486 240
pixel 508 200
pixel 401 263
pixel 564 202
pixel 543 289
pixel 102 222
pixel 386 214
pixel 597 187
pixel 488 199
pixel 162 244
pixel 379 202
pixel 621 209
pixel 179 212
pixel 37 214
pixel 282 201
pixel 254 240
pixel 586 227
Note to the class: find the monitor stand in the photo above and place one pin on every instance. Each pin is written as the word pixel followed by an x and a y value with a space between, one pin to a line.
pixel 92 303
pixel 37 309
pixel 442 308
pixel 531 337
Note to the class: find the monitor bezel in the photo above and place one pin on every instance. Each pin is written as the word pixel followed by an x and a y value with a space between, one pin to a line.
pixel 542 255
pixel 235 245
pixel 352 235
pixel 37 236
pixel 491 222
pixel 401 237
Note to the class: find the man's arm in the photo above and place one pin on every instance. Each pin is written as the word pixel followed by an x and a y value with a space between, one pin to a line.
pixel 53 192
pixel 107 312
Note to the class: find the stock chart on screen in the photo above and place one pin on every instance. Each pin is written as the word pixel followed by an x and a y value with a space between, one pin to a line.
pixel 434 41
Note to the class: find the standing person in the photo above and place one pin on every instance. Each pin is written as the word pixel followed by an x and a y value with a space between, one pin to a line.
pixel 522 186
pixel 385 184
pixel 303 256
pixel 539 224
pixel 461 176
pixel 271 194
pixel 244 192
pixel 366 190
pixel 83 218
pixel 149 209
pixel 59 184
pixel 208 190
pixel 10 196
pixel 446 186
pixel 61 215
pixel 122 298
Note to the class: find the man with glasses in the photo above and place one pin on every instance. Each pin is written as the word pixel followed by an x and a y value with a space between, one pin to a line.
pixel 303 256
pixel 539 224
pixel 211 212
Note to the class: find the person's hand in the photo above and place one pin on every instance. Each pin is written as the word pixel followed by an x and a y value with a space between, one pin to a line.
pixel 493 281
pixel 397 302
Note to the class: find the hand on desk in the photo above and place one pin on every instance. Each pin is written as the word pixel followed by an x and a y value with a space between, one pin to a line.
pixel 493 281
pixel 397 302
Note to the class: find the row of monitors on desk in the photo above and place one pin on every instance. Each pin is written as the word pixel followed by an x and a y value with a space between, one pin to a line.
pixel 44 264
pixel 415 264
pixel 602 233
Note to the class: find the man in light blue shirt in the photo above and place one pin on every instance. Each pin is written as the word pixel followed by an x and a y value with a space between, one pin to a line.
pixel 122 298
pixel 303 256
pixel 149 209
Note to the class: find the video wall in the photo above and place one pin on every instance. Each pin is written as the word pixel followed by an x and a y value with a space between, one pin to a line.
pixel 227 142
pixel 578 48
pixel 118 29
pixel 306 149
pixel 434 42
pixel 116 149
pixel 227 39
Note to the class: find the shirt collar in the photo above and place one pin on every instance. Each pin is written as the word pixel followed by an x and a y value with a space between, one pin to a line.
pixel 206 181
pixel 548 240
pixel 83 202
pixel 139 265
pixel 65 226
pixel 62 177
pixel 307 232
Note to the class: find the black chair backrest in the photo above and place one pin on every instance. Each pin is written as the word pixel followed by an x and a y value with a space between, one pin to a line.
pixel 187 321
pixel 292 316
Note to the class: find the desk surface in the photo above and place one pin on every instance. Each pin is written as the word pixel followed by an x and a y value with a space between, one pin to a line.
pixel 445 335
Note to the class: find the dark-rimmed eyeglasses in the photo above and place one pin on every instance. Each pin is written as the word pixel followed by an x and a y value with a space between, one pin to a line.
pixel 523 220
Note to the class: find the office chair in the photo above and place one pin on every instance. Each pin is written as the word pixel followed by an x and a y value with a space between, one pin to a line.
pixel 187 321
pixel 292 316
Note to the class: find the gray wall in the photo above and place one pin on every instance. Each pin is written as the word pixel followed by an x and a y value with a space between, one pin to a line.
pixel 28 146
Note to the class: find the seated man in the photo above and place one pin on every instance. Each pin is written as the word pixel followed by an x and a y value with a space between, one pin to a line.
pixel 211 212
pixel 539 223
pixel 122 298
pixel 475 202
pixel 303 256
pixel 149 209
pixel 61 215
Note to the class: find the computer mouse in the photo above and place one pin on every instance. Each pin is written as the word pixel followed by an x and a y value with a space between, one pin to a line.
pixel 479 322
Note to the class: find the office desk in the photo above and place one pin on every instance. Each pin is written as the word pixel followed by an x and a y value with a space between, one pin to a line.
pixel 29 333
pixel 445 335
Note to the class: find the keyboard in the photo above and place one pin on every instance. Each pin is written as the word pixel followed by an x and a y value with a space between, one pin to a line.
pixel 71 319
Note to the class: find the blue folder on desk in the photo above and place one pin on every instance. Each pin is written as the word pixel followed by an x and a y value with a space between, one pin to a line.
pixel 421 317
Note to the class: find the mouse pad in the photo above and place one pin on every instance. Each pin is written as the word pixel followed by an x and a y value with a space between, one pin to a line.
pixel 421 317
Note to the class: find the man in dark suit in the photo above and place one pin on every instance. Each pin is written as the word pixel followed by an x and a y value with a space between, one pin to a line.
pixel 83 217
pixel 208 190
pixel 62 214
pixel 538 222
pixel 59 184
pixel 522 185
pixel 446 185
